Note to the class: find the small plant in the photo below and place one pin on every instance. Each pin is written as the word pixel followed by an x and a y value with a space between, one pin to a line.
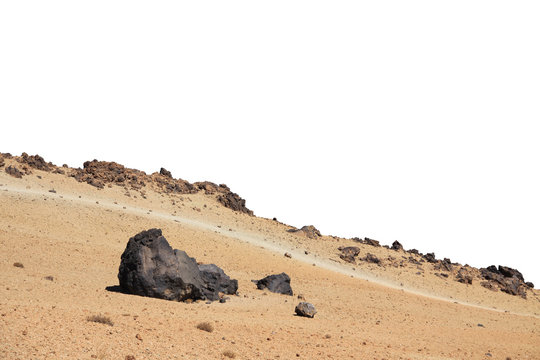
pixel 229 354
pixel 205 326
pixel 18 264
pixel 102 319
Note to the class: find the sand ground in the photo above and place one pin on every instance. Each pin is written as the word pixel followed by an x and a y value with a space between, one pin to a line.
pixel 77 234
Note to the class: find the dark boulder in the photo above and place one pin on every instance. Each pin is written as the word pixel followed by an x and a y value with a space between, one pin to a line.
pixel 396 245
pixel 280 283
pixel 150 267
pixel 2 163
pixel 372 259
pixel 165 172
pixel 509 272
pixel 530 284
pixel 217 281
pixel 305 309
pixel 13 171
pixel 430 257
pixel 349 253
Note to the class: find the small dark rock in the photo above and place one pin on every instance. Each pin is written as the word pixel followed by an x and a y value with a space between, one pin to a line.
pixel 530 284
pixel 280 283
pixel 396 245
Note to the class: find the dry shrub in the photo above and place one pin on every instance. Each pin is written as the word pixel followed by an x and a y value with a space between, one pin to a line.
pixel 229 354
pixel 205 326
pixel 18 264
pixel 102 319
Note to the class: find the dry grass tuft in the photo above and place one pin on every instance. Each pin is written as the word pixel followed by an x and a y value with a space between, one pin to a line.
pixel 102 319
pixel 229 354
pixel 18 264
pixel 205 326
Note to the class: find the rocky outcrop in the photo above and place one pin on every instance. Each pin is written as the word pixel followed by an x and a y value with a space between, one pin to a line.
pixel 36 162
pixel 505 278
pixel 280 283
pixel 309 231
pixel 235 202
pixel 150 267
pixel 305 309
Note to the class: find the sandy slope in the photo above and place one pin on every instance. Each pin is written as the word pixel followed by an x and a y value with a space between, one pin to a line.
pixel 77 234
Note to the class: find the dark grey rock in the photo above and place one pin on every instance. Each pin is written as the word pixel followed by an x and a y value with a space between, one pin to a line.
pixel 396 245
pixel 305 309
pixel 280 283
pixel 150 267
pixel 217 281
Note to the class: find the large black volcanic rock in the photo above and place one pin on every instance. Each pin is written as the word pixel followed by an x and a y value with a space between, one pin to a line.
pixel 150 267
pixel 280 283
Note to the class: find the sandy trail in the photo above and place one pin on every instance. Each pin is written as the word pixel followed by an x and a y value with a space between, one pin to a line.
pixel 266 242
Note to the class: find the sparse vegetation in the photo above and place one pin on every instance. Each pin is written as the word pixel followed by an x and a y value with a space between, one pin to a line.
pixel 229 354
pixel 102 319
pixel 205 326
pixel 18 264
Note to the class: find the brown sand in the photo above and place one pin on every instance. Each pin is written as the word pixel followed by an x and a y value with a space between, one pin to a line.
pixel 76 236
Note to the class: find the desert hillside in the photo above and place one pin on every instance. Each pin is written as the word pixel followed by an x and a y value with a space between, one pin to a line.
pixel 63 231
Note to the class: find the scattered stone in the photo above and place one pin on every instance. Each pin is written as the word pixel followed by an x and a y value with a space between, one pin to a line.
pixel 52 191
pixel 305 309
pixel 530 284
pixel 2 162
pixel 280 283
pixel 287 255
pixel 371 259
pixel 480 325
pixel 13 171
pixel 150 267
pixel 396 245
pixel 18 264
pixel 309 231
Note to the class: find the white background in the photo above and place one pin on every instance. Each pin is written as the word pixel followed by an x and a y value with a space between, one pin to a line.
pixel 408 120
